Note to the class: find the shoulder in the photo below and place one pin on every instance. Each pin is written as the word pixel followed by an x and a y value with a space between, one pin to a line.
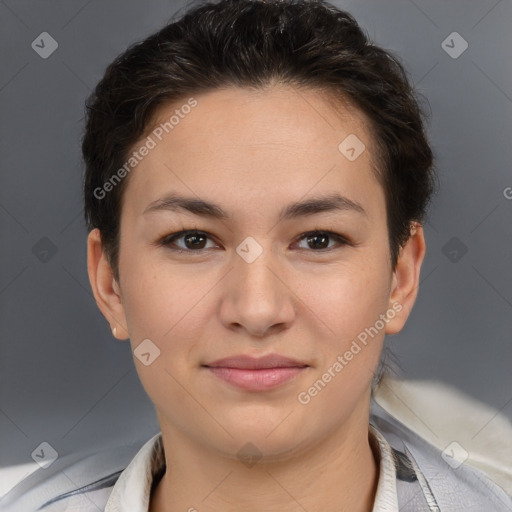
pixel 81 482
pixel 466 461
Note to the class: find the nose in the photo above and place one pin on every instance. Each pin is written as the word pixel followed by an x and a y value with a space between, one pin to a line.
pixel 257 296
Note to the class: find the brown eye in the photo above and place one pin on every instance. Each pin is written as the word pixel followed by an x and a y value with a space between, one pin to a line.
pixel 319 240
pixel 195 241
pixel 191 241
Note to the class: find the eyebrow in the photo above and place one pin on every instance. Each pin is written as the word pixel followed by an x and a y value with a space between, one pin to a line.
pixel 327 203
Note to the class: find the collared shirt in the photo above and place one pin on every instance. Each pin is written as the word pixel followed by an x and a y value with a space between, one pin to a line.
pixel 414 474
pixel 132 491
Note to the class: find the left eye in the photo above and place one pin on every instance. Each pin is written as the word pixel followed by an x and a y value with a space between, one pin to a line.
pixel 320 239
pixel 195 241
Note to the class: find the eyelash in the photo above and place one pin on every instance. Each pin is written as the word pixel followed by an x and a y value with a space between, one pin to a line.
pixel 167 240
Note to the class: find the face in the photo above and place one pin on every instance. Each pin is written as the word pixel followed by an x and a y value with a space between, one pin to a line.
pixel 289 257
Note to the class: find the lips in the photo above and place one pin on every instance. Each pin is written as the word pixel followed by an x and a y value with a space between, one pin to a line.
pixel 245 362
pixel 256 374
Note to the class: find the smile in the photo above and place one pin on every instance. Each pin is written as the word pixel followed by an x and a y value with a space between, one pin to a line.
pixel 257 379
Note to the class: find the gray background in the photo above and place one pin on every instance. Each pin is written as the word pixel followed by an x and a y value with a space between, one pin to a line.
pixel 65 380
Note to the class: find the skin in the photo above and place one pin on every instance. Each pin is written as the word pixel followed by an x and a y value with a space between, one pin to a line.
pixel 252 153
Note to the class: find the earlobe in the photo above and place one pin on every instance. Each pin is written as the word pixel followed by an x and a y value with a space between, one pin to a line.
pixel 104 286
pixel 404 286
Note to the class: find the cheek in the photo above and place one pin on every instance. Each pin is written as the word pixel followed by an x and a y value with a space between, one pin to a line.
pixel 163 309
pixel 347 309
pixel 346 300
pixel 166 304
pixel 151 300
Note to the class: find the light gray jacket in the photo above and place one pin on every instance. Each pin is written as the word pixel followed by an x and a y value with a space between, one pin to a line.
pixel 415 475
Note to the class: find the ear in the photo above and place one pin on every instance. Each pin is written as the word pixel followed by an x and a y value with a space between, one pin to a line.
pixel 104 286
pixel 404 287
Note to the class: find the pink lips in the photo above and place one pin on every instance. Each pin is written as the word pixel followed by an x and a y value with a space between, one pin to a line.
pixel 256 374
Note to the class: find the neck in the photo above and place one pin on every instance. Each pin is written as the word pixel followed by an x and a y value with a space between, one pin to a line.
pixel 339 474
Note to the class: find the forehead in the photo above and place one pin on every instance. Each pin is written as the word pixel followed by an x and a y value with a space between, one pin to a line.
pixel 241 143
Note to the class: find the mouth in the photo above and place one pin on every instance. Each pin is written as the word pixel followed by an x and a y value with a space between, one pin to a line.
pixel 256 374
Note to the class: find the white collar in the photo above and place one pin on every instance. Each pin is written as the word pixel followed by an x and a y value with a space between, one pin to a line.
pixel 132 491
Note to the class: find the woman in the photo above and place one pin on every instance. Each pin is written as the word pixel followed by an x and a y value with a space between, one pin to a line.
pixel 257 175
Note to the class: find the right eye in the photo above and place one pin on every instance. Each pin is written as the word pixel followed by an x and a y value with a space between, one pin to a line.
pixel 194 241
